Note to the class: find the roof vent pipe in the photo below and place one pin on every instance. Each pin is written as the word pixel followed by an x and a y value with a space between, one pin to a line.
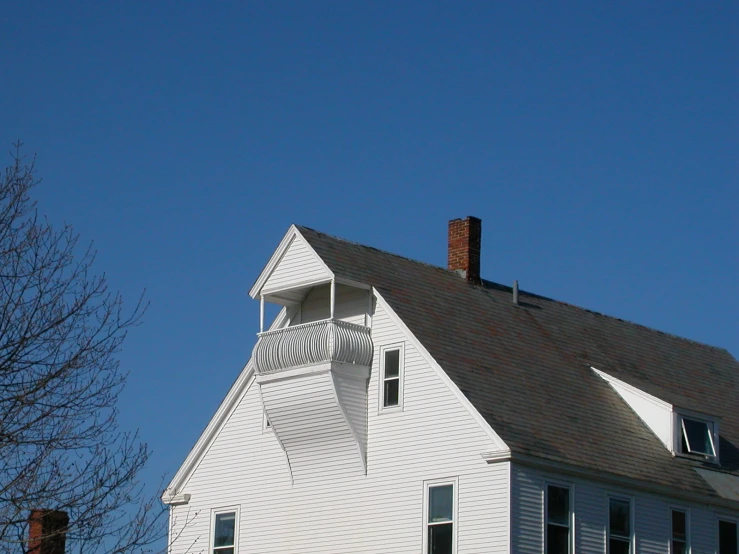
pixel 515 292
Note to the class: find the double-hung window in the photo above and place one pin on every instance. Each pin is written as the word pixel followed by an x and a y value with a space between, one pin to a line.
pixel 440 518
pixel 391 378
pixel 224 525
pixel 620 534
pixel 679 532
pixel 727 537
pixel 559 520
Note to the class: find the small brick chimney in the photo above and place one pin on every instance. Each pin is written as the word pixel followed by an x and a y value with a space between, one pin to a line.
pixel 47 531
pixel 465 238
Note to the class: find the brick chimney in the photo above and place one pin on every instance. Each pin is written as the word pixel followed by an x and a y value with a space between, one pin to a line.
pixel 47 531
pixel 465 238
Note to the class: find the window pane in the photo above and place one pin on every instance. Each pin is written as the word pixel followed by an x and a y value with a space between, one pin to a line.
pixel 619 520
pixel 224 531
pixel 392 390
pixel 697 435
pixel 441 503
pixel 678 547
pixel 727 537
pixel 616 546
pixel 440 538
pixel 228 550
pixel 558 539
pixel 392 363
pixel 678 525
pixel 558 505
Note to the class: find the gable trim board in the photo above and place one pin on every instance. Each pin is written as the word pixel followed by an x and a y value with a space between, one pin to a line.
pixel 209 434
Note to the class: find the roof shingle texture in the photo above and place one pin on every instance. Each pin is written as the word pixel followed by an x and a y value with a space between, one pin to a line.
pixel 527 368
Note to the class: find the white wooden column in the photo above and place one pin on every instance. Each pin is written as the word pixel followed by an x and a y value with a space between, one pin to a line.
pixel 261 313
pixel 333 297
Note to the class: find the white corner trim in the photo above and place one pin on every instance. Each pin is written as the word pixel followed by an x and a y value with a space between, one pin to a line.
pixel 611 380
pixel 276 258
pixel 223 413
pixel 499 443
pixel 176 500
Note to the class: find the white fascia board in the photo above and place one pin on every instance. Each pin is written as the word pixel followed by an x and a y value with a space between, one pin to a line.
pixel 219 419
pixel 276 257
pixel 654 412
pixel 500 445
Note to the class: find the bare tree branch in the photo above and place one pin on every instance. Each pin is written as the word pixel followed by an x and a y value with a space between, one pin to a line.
pixel 61 329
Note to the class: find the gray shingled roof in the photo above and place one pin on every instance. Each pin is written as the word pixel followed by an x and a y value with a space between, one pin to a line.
pixel 526 368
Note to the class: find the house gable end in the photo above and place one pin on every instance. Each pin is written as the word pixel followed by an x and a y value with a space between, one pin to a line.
pixel 293 265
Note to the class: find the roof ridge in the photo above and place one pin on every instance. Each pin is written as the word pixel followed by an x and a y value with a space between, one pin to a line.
pixel 486 283
pixel 380 250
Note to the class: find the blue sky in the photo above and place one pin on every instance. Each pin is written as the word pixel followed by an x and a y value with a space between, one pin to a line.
pixel 597 141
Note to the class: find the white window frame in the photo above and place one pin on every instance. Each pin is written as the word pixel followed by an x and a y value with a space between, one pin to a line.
pixel 727 519
pixel 571 488
pixel 632 535
pixel 225 510
pixel 266 424
pixel 401 377
pixel 454 481
pixel 713 426
pixel 686 511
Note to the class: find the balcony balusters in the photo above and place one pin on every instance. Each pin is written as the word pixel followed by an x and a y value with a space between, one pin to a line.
pixel 328 340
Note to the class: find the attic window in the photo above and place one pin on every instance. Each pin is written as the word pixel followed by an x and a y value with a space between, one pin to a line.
pixel 697 436
pixel 391 378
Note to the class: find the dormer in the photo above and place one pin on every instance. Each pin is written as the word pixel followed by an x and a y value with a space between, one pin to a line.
pixel 313 370
pixel 685 433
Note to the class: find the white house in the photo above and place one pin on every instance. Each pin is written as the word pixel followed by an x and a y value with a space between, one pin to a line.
pixel 398 407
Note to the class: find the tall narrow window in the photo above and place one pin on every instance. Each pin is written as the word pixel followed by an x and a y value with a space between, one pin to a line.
pixel 727 543
pixel 619 526
pixel 392 385
pixel 679 524
pixel 224 533
pixel 558 520
pixel 440 519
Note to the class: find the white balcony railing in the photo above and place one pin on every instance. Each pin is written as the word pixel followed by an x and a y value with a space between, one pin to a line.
pixel 328 340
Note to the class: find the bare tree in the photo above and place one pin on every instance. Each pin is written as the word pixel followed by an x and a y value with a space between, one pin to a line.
pixel 60 330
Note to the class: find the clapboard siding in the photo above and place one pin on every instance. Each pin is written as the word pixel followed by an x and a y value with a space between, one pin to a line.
pixel 651 516
pixel 305 414
pixel 352 394
pixel 527 514
pixel 341 512
pixel 351 304
pixel 299 265
pixel 591 518
pixel 703 532
pixel 651 524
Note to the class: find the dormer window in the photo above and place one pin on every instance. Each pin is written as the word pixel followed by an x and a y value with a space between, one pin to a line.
pixel 696 436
